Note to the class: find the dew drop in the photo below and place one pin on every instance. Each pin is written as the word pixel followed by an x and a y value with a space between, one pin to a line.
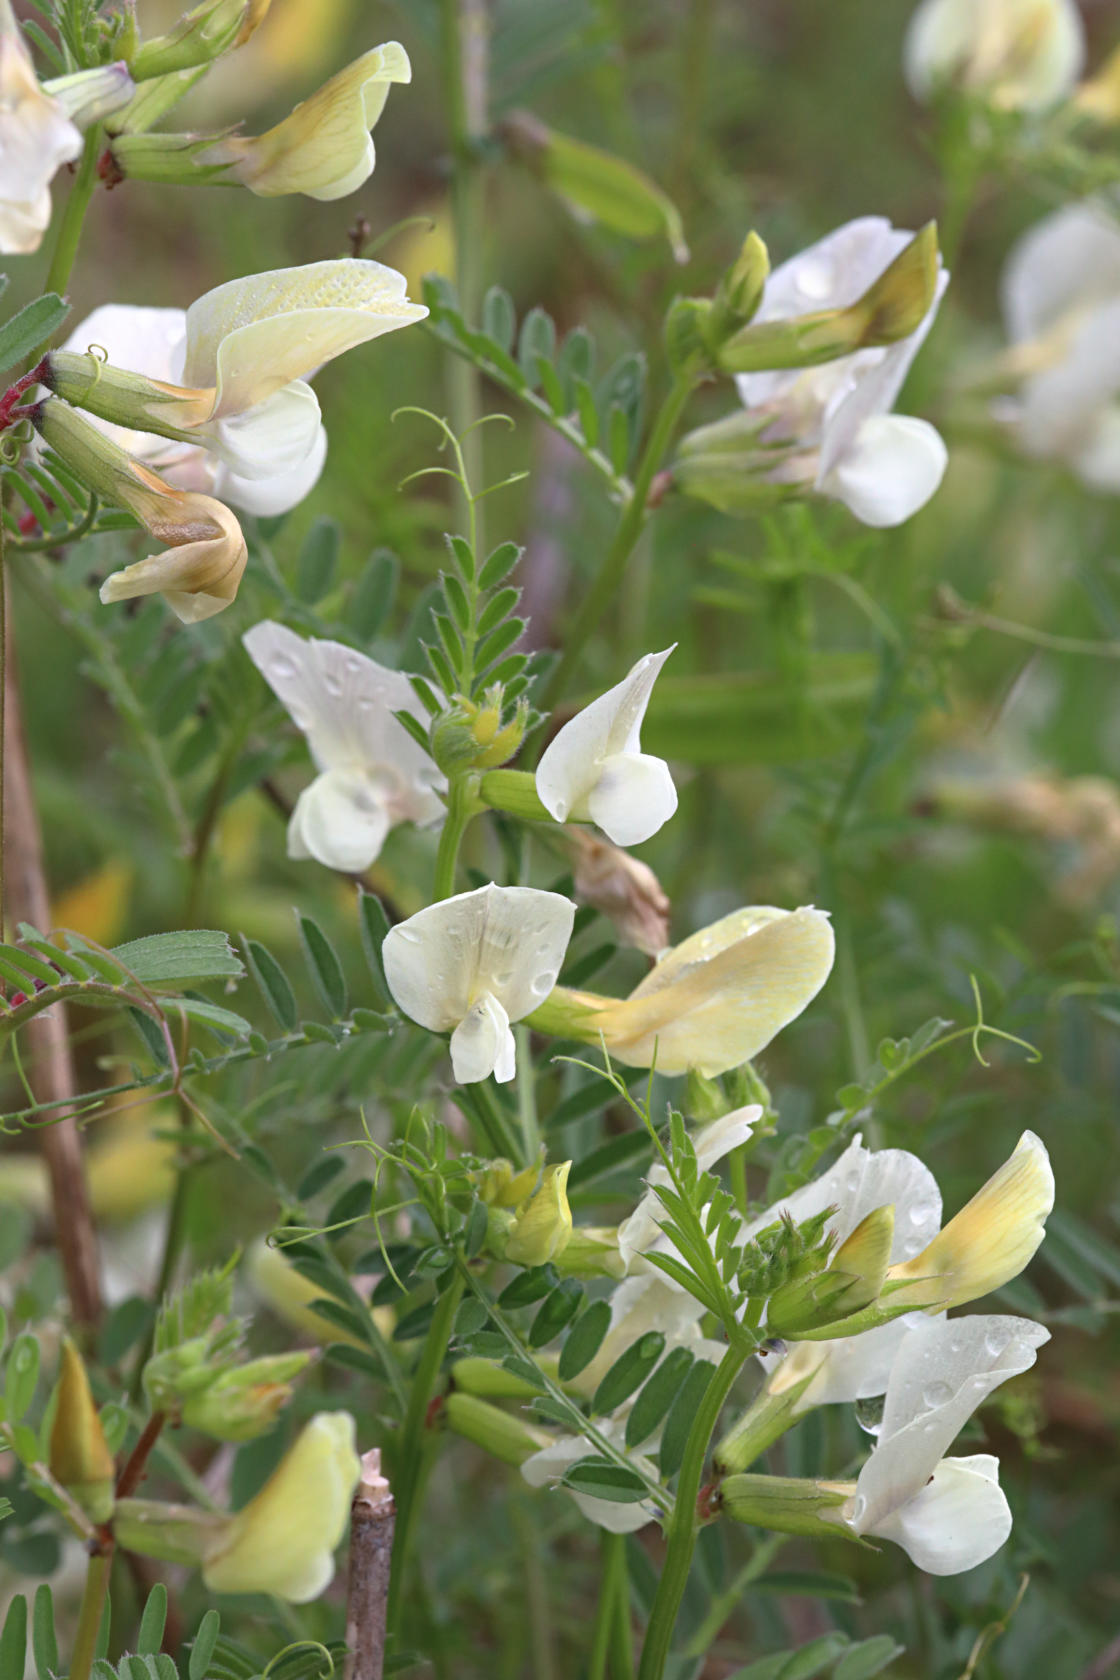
pixel 936 1394
pixel 543 983
pixel 332 684
pixel 996 1340
pixel 281 666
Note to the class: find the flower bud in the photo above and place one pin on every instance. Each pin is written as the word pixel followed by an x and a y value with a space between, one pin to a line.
pixel 502 1434
pixel 201 35
pixel 543 1226
pixel 499 1186
pixel 79 1453
pixel 87 96
pixel 785 1503
pixel 892 307
pixel 241 1404
pixel 852 1281
pixel 740 291
pixel 126 398
pixel 596 185
pixel 489 1380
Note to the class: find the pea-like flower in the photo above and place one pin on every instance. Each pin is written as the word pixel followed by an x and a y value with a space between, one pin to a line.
pixel 1061 303
pixel 947 1514
pixel 284 1539
pixel 595 767
pixel 1018 54
pixel 217 397
pixel 833 422
pixel 36 138
pixel 372 774
pixel 713 1001
pixel 324 149
pixel 472 964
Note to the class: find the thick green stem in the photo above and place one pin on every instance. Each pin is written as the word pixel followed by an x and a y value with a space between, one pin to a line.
pixel 683 1525
pixel 93 1608
pixel 605 585
pixel 461 807
pixel 73 217
pixel 409 1477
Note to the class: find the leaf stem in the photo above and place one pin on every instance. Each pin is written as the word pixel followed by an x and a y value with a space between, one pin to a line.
pixel 683 1525
pixel 460 809
pixel 605 585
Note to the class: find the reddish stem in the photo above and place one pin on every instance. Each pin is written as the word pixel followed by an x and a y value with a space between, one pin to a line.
pixel 9 414
pixel 136 1464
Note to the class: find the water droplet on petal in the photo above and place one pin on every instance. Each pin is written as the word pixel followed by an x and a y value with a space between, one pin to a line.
pixel 281 666
pixel 936 1394
pixel 996 1340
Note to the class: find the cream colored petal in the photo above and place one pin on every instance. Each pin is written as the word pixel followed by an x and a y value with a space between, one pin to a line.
pixel 892 468
pixel 633 797
pixel 992 1238
pixel 483 1044
pixel 860 1181
pixel 324 148
pixel 272 438
pixel 283 1541
pixel 716 1012
pixel 251 337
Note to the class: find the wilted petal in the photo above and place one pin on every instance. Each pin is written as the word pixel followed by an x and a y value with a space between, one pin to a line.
pixel 251 337
pixel 199 575
pixel 324 148
pixel 595 767
pixel 284 1539
pixel 942 1372
pixel 341 821
pixel 958 1520
pixel 504 942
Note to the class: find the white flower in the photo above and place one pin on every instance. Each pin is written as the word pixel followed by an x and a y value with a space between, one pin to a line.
pixel 1061 302
pixel 36 139
pixel 641 1233
pixel 470 965
pixel 882 466
pixel 595 768
pixel 228 377
pixel 372 774
pixel 1020 54
pixel 948 1514
pixel 860 1181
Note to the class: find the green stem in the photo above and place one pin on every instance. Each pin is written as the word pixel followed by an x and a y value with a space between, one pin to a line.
pixel 410 1467
pixel 622 1644
pixel 461 808
pixel 73 217
pixel 3 693
pixel 527 1097
pixel 683 1525
pixel 604 1611
pixel 605 585
pixel 464 53
pixel 93 1608
pixel 172 1248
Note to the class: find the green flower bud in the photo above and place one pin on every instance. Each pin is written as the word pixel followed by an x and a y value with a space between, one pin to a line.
pixel 502 1434
pixel 79 1454
pixel 241 1404
pixel 786 1503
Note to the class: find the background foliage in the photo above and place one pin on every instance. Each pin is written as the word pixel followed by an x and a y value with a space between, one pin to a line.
pixel 819 699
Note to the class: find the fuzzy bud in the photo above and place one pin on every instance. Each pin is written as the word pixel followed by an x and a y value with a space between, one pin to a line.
pixel 79 1453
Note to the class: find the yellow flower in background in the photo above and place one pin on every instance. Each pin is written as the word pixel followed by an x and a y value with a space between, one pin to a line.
pixel 284 1540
